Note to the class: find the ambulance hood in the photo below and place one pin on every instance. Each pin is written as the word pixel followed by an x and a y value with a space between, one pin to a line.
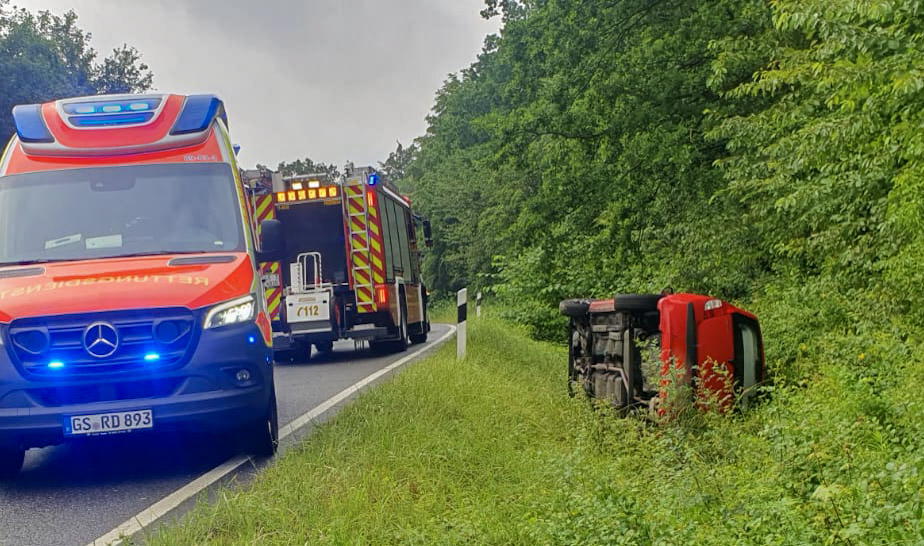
pixel 59 288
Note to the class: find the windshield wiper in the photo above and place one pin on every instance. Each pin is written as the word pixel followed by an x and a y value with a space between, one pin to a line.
pixel 35 262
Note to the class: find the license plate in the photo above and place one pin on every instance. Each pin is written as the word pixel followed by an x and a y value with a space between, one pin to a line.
pixel 107 423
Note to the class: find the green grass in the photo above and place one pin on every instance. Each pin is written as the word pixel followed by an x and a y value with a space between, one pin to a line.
pixel 446 452
pixel 492 451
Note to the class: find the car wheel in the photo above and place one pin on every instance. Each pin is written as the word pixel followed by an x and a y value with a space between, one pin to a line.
pixel 11 460
pixel 574 308
pixel 261 438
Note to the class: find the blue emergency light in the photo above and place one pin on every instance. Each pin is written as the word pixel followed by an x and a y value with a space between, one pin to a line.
pixel 114 120
pixel 198 113
pixel 190 118
pixel 111 106
pixel 373 179
pixel 112 112
pixel 29 123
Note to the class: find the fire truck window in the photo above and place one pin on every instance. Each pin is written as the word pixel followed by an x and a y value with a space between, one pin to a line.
pixel 411 271
pixel 402 242
pixel 387 226
pixel 394 228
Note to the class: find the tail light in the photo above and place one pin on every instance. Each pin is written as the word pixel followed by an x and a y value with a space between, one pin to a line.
pixel 381 294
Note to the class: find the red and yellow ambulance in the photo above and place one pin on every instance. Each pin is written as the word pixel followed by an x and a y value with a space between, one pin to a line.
pixel 130 298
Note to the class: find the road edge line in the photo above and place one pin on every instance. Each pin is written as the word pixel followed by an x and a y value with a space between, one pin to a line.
pixel 164 506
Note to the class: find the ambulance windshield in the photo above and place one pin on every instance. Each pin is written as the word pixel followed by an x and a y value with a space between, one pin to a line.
pixel 105 212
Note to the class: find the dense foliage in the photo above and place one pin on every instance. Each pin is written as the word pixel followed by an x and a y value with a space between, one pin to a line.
pixel 606 146
pixel 769 153
pixel 45 57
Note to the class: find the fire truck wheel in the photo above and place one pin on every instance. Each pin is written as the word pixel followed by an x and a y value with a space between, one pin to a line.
pixel 574 308
pixel 422 337
pixel 300 353
pixel 403 341
pixel 324 346
pixel 636 302
pixel 11 462
pixel 261 439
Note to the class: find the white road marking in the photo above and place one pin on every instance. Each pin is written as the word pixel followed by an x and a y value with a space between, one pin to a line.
pixel 165 505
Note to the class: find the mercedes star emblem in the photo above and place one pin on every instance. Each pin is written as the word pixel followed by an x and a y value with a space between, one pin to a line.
pixel 101 339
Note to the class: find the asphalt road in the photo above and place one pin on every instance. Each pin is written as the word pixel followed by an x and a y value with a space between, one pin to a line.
pixel 74 493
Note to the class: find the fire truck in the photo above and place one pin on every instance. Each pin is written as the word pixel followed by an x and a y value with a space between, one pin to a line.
pixel 635 350
pixel 351 265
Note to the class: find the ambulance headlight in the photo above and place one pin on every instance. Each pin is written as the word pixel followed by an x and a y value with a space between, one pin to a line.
pixel 232 312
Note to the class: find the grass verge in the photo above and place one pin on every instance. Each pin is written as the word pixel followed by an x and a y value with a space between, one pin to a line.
pixel 492 451
pixel 446 452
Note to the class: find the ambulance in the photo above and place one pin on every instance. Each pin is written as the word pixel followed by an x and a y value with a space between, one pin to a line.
pixel 130 295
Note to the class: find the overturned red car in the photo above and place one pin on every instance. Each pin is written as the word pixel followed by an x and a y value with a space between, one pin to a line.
pixel 634 350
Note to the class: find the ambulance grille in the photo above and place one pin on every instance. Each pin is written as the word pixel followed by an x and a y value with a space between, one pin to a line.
pixel 148 340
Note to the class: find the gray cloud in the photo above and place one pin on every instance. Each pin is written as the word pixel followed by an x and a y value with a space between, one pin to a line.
pixel 335 80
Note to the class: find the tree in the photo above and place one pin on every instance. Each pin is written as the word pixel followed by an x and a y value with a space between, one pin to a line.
pixel 573 157
pixel 307 166
pixel 395 167
pixel 45 56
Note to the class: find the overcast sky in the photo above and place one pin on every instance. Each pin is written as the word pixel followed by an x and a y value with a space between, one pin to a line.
pixel 333 80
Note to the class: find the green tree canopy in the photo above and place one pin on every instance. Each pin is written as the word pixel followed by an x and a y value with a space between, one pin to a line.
pixel 307 166
pixel 45 56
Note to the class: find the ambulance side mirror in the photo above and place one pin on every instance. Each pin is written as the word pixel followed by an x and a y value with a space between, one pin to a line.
pixel 272 241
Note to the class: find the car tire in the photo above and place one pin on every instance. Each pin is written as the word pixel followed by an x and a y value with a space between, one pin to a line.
pixel 574 308
pixel 636 302
pixel 11 460
pixel 261 439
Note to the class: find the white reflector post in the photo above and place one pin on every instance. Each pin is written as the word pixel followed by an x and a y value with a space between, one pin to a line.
pixel 478 304
pixel 461 301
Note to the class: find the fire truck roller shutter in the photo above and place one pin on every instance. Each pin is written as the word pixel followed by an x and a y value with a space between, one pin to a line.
pixel 316 227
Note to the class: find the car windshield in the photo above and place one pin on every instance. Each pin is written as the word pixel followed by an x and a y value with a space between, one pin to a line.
pixel 131 210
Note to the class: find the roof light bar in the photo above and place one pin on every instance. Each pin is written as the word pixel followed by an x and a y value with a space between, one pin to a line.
pixel 30 126
pixel 112 106
pixel 112 119
pixel 311 194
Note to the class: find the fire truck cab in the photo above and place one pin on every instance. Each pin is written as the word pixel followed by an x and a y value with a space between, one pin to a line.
pixel 634 350
pixel 351 266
